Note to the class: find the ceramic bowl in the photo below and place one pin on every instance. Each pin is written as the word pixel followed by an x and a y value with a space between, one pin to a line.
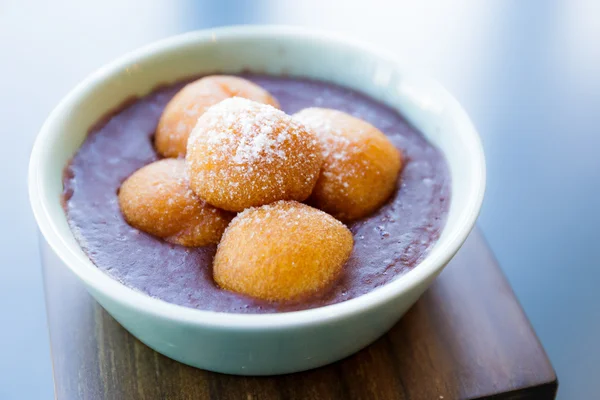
pixel 269 343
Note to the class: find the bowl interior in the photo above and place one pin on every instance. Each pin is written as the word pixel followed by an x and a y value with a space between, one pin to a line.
pixel 275 51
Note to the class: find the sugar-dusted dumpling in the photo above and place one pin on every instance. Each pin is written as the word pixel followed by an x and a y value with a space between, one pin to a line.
pixel 244 154
pixel 360 168
pixel 282 251
pixel 156 199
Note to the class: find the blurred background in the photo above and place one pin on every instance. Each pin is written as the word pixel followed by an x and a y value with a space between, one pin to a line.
pixel 528 72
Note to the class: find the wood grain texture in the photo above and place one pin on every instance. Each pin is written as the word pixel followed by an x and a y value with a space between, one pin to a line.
pixel 466 338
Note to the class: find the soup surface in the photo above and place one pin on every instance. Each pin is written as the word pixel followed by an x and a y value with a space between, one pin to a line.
pixel 388 243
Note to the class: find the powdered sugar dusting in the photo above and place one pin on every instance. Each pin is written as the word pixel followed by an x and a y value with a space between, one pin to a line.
pixel 288 213
pixel 252 124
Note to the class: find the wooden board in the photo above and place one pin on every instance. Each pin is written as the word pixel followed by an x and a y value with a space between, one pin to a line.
pixel 466 338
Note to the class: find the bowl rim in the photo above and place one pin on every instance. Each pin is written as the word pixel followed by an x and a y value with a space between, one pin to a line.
pixel 112 288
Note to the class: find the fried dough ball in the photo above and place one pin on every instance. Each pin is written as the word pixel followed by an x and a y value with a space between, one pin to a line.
pixel 244 154
pixel 360 167
pixel 156 199
pixel 180 115
pixel 282 251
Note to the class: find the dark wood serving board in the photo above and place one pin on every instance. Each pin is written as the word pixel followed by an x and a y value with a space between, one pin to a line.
pixel 466 338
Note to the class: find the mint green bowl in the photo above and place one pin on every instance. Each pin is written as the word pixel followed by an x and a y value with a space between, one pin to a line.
pixel 263 344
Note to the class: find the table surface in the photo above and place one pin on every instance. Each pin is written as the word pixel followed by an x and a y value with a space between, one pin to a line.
pixel 526 72
pixel 466 338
